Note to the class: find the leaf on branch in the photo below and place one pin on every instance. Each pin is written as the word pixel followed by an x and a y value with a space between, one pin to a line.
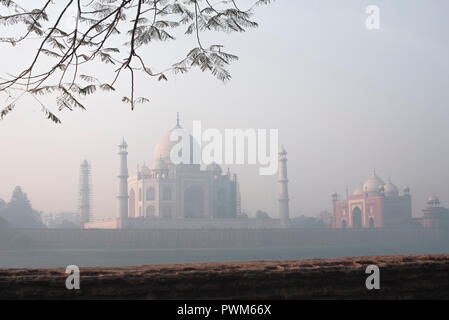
pixel 106 58
pixel 107 87
pixel 141 100
pixel 7 110
pixel 50 115
pixel 50 53
pixel 88 90
pixel 88 78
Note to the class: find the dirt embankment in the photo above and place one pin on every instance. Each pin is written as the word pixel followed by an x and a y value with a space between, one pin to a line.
pixel 401 277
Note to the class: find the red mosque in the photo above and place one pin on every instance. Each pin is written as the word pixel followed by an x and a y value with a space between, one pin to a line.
pixel 374 205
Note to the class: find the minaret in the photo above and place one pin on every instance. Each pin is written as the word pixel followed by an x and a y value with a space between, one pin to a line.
pixel 334 209
pixel 283 189
pixel 85 193
pixel 122 210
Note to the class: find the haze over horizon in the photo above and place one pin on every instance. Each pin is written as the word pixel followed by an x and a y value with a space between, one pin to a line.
pixel 346 101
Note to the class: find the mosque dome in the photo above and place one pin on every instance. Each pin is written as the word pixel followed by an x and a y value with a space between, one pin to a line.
pixel 214 168
pixel 433 201
pixel 357 191
pixel 390 189
pixel 372 184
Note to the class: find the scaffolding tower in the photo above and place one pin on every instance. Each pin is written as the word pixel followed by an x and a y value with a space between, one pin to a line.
pixel 85 193
pixel 238 199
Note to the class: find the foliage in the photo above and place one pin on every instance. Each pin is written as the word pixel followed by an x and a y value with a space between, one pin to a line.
pixel 262 215
pixel 97 26
pixel 19 213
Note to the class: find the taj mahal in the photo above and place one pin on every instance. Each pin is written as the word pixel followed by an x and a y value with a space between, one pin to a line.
pixel 168 195
pixel 191 196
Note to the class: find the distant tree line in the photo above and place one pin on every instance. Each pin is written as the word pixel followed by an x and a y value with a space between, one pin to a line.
pixel 323 220
pixel 18 212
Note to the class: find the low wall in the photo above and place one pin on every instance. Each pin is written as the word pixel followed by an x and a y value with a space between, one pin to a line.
pixel 401 277
pixel 192 224
pixel 230 238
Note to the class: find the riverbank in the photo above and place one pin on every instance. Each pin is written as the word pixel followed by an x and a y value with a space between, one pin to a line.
pixel 401 277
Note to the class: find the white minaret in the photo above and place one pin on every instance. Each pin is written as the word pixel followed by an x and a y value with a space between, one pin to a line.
pixel 283 189
pixel 122 209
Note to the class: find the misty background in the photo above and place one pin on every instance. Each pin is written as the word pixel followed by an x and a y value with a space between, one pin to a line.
pixel 346 101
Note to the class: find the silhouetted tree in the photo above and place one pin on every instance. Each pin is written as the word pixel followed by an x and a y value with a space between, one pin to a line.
pixel 68 49
pixel 19 213
pixel 262 215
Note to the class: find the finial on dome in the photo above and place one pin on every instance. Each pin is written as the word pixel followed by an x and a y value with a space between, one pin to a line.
pixel 177 119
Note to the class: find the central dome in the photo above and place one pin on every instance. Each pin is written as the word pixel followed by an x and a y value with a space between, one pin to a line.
pixel 164 146
pixel 372 184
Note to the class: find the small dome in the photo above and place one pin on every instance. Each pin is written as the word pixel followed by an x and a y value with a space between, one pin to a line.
pixel 406 189
pixel 214 168
pixel 357 191
pixel 390 189
pixel 433 201
pixel 372 184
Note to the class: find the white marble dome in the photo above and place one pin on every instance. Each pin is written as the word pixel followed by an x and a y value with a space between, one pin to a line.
pixel 358 191
pixel 390 189
pixel 163 147
pixel 372 184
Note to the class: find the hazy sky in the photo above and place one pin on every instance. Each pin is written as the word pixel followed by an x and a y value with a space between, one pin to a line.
pixel 345 99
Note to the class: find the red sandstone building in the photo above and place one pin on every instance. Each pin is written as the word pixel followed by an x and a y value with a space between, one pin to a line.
pixel 434 216
pixel 375 205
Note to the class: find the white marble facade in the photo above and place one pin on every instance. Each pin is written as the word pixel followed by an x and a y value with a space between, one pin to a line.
pixel 170 191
